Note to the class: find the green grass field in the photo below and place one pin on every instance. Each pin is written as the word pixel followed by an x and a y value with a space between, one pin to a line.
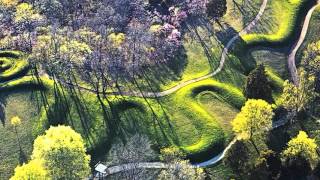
pixel 313 34
pixel 282 23
pixel 196 118
pixel 22 104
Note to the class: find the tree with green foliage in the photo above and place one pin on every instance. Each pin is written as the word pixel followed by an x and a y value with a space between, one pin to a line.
pixel 311 62
pixel 15 122
pixel 34 170
pixel 179 169
pixel 258 86
pixel 302 146
pixel 267 165
pixel 254 119
pixel 62 154
pixel 298 98
pixel 295 168
pixel 216 8
pixel 299 156
pixel 239 164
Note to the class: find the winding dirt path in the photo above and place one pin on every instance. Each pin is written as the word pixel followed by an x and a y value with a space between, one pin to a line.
pixel 219 157
pixel 160 165
pixel 183 84
pixel 215 159
pixel 292 56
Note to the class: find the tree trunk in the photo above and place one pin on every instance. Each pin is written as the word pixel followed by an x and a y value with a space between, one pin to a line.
pixel 255 146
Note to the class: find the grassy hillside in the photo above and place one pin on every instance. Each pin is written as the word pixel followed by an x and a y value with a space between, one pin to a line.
pixel 195 118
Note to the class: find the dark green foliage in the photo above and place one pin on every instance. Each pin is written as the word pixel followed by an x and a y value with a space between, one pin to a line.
pixel 238 163
pixel 267 166
pixel 295 168
pixel 258 86
pixel 316 171
pixel 216 8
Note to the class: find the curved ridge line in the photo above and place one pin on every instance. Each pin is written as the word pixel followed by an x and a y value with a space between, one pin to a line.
pixel 292 56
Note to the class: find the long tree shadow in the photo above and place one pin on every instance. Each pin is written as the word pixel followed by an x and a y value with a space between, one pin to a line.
pixel 3 103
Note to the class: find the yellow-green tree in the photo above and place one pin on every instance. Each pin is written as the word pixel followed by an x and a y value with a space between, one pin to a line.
pixel 298 98
pixel 311 62
pixel 74 51
pixel 25 13
pixel 62 154
pixel 34 170
pixel 254 119
pixel 15 122
pixel 301 146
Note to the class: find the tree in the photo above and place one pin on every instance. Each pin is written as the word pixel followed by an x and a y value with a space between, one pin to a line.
pixel 136 149
pixel 295 168
pixel 311 62
pixel 27 19
pixel 257 85
pixel 302 146
pixel 182 170
pixel 298 98
pixel 8 3
pixel 239 164
pixel 254 119
pixel 300 154
pixel 267 165
pixel 178 168
pixel 32 171
pixel 216 8
pixel 63 153
pixel 15 122
pixel 59 154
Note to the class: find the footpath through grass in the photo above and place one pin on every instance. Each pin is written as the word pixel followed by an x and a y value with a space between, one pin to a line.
pixel 281 23
pixel 195 118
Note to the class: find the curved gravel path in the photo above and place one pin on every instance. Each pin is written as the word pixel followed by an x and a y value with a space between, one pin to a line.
pixel 160 165
pixel 183 84
pixel 219 157
pixel 215 159
pixel 292 56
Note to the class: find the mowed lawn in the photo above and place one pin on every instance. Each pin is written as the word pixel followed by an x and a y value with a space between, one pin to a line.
pixel 196 118
pixel 17 103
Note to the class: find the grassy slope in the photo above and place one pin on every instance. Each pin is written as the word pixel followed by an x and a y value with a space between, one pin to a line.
pixel 281 26
pixel 313 34
pixel 17 103
pixel 186 118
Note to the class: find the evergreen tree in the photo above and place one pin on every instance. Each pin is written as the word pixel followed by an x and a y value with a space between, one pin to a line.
pixel 258 86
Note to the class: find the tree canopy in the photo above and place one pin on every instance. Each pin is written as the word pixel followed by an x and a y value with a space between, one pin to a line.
pixel 31 171
pixel 58 154
pixel 302 146
pixel 311 62
pixel 298 98
pixel 258 86
pixel 254 119
pixel 216 8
